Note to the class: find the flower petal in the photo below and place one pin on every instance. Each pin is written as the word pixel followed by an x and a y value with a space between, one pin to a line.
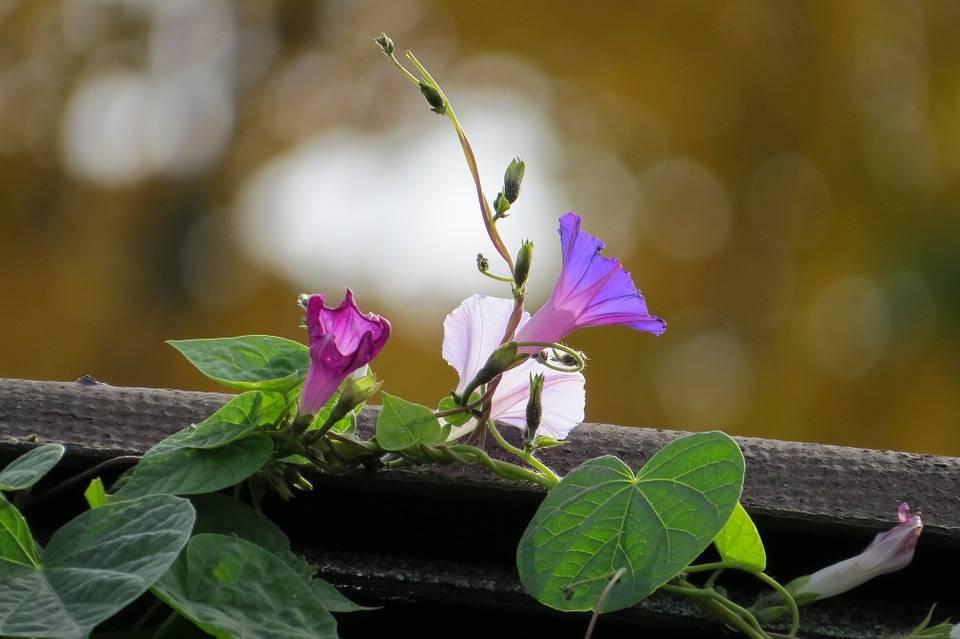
pixel 473 331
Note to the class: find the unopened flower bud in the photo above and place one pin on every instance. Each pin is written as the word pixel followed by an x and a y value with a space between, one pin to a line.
pixel 534 408
pixel 385 43
pixel 437 104
pixel 512 179
pixel 302 300
pixel 499 361
pixel 353 392
pixel 524 259
pixel 483 264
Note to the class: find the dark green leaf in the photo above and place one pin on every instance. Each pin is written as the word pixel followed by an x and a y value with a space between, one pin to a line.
pixel 16 541
pixel 739 540
pixel 222 515
pixel 602 517
pixel 251 362
pixel 231 587
pixel 236 419
pixel 457 419
pixel 26 470
pixel 189 471
pixel 93 566
pixel 403 424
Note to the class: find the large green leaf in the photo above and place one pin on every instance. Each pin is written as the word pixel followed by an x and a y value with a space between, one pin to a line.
pixel 16 542
pixel 26 470
pixel 93 566
pixel 236 419
pixel 403 424
pixel 250 362
pixel 222 515
pixel 602 518
pixel 232 588
pixel 740 541
pixel 170 468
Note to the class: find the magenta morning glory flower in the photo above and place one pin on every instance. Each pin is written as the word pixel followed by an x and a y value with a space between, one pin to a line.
pixel 342 340
pixel 592 290
pixel 889 551
pixel 473 331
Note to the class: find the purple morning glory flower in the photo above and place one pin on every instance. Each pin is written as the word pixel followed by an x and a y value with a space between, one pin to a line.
pixel 342 340
pixel 592 290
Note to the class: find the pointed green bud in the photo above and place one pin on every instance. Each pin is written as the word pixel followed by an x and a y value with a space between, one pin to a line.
pixel 501 205
pixel 512 179
pixel 483 264
pixel 385 43
pixel 437 104
pixel 353 392
pixel 524 259
pixel 499 361
pixel 534 409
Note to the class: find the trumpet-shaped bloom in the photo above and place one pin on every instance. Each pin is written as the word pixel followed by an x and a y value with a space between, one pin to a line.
pixel 342 340
pixel 888 552
pixel 473 331
pixel 592 290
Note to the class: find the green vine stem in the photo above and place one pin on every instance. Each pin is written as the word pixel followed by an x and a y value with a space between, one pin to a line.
pixel 762 576
pixel 524 455
pixel 717 605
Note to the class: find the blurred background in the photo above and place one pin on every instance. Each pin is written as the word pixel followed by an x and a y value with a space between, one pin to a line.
pixel 781 178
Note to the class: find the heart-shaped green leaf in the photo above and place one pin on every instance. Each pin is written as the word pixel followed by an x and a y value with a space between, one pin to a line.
pixel 740 541
pixel 403 424
pixel 170 468
pixel 26 470
pixel 236 419
pixel 93 566
pixel 16 542
pixel 250 362
pixel 602 518
pixel 231 587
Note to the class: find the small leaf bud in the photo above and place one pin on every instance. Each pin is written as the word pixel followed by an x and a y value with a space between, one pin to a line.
pixel 524 259
pixel 499 361
pixel 534 408
pixel 385 43
pixel 501 205
pixel 512 179
pixel 437 104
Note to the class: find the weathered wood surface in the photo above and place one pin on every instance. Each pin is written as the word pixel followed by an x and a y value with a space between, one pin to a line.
pixel 786 481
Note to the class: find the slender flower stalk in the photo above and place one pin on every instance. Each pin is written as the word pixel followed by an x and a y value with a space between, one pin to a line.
pixel 342 340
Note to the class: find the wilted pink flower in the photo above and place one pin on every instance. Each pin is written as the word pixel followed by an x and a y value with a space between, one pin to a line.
pixel 592 290
pixel 888 552
pixel 342 340
pixel 473 331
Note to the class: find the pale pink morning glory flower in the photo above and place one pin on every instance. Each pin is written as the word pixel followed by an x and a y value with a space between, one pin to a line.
pixel 592 290
pixel 888 552
pixel 342 340
pixel 473 331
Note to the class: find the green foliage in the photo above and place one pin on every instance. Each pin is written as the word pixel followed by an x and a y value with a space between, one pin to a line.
pixel 602 517
pixel 740 542
pixel 171 468
pixel 236 419
pixel 26 470
pixel 93 566
pixel 231 587
pixel 251 362
pixel 403 425
pixel 95 494
pixel 16 542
